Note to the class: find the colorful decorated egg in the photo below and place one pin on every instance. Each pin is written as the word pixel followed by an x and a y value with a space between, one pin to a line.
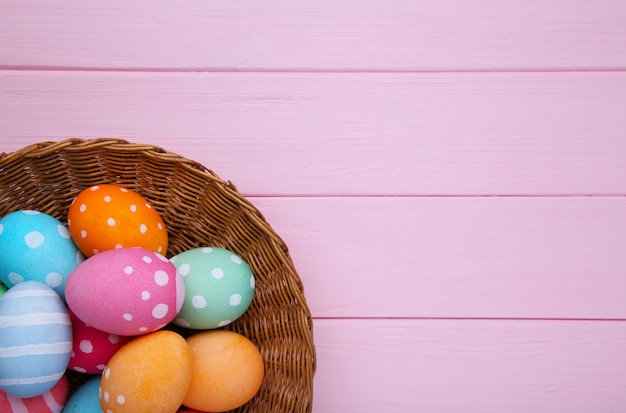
pixel 152 373
pixel 35 339
pixel 92 348
pixel 36 246
pixel 108 216
pixel 219 287
pixel 51 401
pixel 85 399
pixel 127 291
pixel 227 371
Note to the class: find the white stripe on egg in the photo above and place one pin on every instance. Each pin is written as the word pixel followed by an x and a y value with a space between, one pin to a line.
pixel 62 347
pixel 34 319
pixel 30 380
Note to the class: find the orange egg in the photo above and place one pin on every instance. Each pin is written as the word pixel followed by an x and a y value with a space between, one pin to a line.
pixel 227 371
pixel 108 216
pixel 151 373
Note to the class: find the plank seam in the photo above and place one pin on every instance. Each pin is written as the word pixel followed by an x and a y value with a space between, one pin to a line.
pixel 303 70
pixel 503 319
pixel 534 196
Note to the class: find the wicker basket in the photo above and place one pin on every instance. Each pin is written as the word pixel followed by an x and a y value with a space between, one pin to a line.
pixel 199 209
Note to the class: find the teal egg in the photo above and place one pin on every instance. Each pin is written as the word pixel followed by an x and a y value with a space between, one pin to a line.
pixel 86 398
pixel 219 287
pixel 36 246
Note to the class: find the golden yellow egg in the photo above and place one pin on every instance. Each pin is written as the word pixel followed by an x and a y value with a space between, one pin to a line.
pixel 227 371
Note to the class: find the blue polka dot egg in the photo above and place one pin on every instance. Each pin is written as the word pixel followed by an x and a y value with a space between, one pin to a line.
pixel 36 246
pixel 219 286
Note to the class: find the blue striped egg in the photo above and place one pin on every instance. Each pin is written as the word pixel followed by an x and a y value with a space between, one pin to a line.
pixel 35 339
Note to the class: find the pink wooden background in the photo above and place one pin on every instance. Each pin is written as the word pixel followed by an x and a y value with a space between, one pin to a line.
pixel 450 175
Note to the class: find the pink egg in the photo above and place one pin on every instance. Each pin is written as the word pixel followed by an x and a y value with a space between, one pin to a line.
pixel 126 291
pixel 51 401
pixel 92 348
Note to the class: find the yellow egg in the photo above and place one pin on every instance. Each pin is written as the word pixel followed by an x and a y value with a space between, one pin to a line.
pixel 152 374
pixel 227 371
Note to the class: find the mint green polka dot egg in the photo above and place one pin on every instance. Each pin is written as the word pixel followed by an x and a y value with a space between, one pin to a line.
pixel 219 286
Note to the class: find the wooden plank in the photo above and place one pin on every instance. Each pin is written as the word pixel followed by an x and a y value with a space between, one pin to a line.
pixel 320 35
pixel 347 134
pixel 447 366
pixel 498 257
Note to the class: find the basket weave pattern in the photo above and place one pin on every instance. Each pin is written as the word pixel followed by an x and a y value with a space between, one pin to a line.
pixel 199 209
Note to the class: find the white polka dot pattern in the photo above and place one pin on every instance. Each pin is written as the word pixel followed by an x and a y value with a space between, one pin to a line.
pixel 54 279
pixel 184 269
pixel 34 239
pixel 198 301
pixel 161 278
pixel 86 346
pixel 217 273
pixel 160 311
pixel 15 278
pixel 63 232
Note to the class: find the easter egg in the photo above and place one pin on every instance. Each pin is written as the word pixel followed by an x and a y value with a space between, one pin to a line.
pixel 51 401
pixel 152 373
pixel 219 287
pixel 85 399
pixel 126 291
pixel 92 348
pixel 227 371
pixel 36 246
pixel 108 216
pixel 35 339
pixel 3 289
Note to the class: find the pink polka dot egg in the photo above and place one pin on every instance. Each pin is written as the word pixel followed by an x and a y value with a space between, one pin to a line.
pixel 126 291
pixel 92 348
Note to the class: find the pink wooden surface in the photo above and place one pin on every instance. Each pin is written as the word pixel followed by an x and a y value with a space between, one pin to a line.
pixel 318 35
pixel 450 176
pixel 348 133
pixel 486 366
pixel 450 257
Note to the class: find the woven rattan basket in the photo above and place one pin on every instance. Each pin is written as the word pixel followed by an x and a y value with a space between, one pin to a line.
pixel 199 209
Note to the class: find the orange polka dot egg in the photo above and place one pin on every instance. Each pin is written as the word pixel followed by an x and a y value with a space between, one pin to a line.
pixel 108 216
